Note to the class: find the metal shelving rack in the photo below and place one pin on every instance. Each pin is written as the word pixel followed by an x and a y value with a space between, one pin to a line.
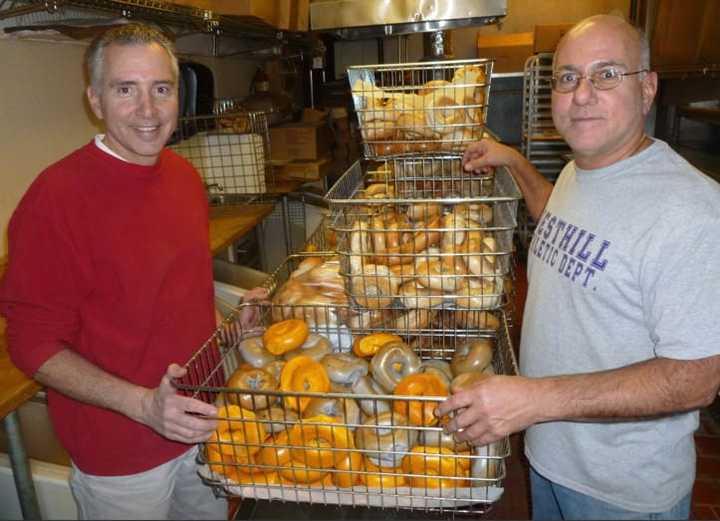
pixel 541 143
pixel 255 35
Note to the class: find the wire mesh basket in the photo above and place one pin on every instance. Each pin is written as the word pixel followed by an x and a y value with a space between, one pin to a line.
pixel 411 108
pixel 231 151
pixel 358 445
pixel 309 286
pixel 423 232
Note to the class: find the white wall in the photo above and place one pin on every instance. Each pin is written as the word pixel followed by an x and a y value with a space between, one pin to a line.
pixel 43 114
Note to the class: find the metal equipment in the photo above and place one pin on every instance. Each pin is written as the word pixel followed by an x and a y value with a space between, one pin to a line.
pixel 371 460
pixel 417 108
pixel 423 232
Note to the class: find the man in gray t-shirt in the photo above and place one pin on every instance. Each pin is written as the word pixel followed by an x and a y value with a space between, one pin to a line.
pixel 620 341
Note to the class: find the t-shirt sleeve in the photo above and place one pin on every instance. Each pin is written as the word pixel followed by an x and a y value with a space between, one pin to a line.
pixel 40 293
pixel 681 277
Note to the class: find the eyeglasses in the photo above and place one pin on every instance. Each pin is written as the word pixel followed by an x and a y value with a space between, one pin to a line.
pixel 604 78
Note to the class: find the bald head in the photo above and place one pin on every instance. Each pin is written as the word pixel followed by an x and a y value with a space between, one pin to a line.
pixel 612 26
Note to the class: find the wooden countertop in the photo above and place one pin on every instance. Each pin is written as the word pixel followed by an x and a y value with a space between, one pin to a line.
pixel 15 387
pixel 227 224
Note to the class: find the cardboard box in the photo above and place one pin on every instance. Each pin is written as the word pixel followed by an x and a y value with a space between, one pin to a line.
pixel 308 170
pixel 546 37
pixel 510 51
pixel 299 141
pixel 300 16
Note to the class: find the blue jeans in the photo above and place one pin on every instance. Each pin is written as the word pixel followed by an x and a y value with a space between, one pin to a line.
pixel 553 501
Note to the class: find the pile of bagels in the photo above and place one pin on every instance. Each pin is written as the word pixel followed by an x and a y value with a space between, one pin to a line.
pixel 363 427
pixel 314 292
pixel 423 255
pixel 438 115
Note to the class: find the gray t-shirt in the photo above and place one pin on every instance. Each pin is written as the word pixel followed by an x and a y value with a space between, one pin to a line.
pixel 624 266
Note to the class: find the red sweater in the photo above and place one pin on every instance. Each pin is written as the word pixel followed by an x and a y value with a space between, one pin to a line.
pixel 111 260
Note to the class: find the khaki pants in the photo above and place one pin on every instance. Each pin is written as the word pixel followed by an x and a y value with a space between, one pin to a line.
pixel 171 491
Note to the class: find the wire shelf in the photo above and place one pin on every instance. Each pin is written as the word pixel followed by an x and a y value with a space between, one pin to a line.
pixel 419 108
pixel 422 231
pixel 230 150
pixel 366 447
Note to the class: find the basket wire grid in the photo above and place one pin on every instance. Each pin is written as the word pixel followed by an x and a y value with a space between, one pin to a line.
pixel 388 468
pixel 324 303
pixel 417 108
pixel 422 232
pixel 231 151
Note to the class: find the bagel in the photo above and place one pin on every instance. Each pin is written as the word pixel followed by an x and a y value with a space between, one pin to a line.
pixel 237 433
pixel 448 275
pixel 298 472
pixel 487 461
pixel 420 384
pixel 393 362
pixel 445 114
pixel 484 293
pixel 437 437
pixel 433 86
pixel 478 212
pixel 436 467
pixel 350 466
pixel 365 385
pixel 420 240
pixel 473 319
pixel 379 191
pixel 285 336
pixel 359 246
pixel 413 320
pixel 455 231
pixel 374 287
pixel 390 148
pixel 254 353
pixel 307 264
pixel 472 356
pixel 383 441
pixel 382 478
pixel 254 380
pixel 464 381
pixel 302 374
pixel 368 345
pixel 313 441
pixel 274 368
pixel 316 347
pixel 413 296
pixel 439 368
pixel 344 368
pixel 412 125
pixel 420 212
pixel 277 419
pixel 481 258
pixel 275 451
pixel 380 128
pixel 342 410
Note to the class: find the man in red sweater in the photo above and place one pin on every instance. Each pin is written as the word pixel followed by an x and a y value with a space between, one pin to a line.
pixel 109 291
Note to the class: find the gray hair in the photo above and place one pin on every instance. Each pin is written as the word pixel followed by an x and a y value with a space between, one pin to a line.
pixel 128 34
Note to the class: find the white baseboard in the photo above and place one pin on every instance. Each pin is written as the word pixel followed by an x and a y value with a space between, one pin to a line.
pixel 51 485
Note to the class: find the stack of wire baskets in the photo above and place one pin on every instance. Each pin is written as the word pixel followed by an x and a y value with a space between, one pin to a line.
pixel 414 248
